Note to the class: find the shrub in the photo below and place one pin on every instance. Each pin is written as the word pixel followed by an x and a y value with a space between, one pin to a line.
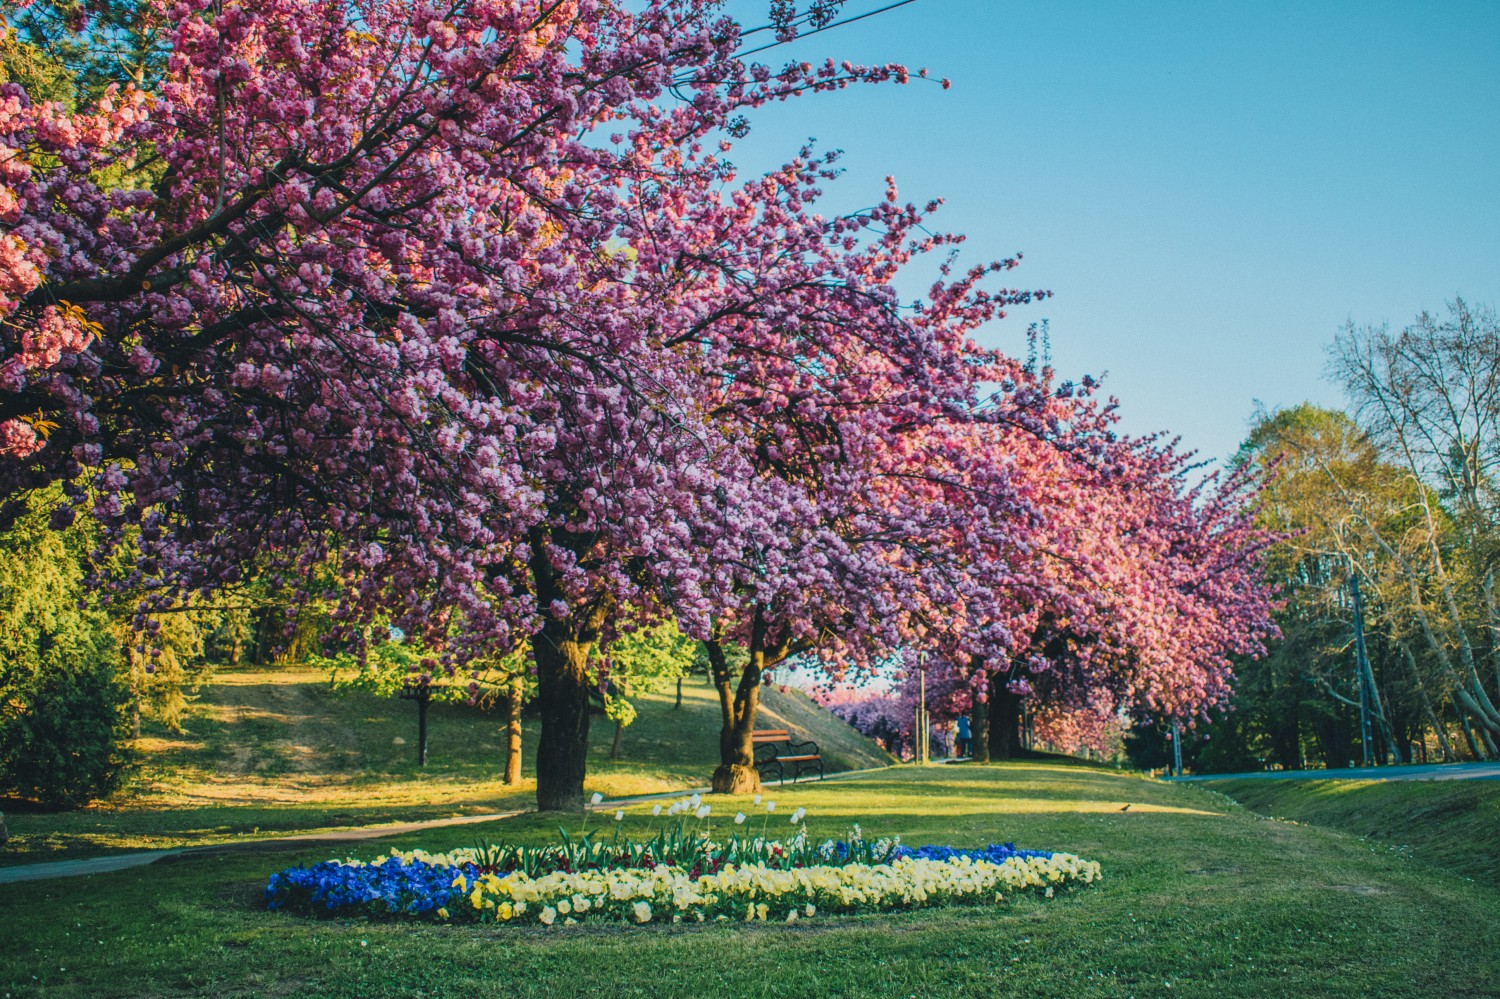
pixel 61 698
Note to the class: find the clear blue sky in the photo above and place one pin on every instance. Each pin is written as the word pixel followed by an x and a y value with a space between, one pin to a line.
pixel 1210 190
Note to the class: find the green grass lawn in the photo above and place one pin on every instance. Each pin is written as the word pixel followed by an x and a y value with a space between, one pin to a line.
pixel 1451 823
pixel 275 751
pixel 1200 897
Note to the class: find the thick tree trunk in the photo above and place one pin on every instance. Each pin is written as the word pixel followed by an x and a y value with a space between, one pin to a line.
pixel 1005 719
pixel 513 734
pixel 563 703
pixel 736 773
pixel 979 734
pixel 561 650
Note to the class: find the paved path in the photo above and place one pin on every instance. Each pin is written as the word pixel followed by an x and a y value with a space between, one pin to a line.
pixel 1426 771
pixel 139 858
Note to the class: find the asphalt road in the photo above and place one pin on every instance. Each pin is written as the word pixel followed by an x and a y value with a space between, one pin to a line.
pixel 1429 771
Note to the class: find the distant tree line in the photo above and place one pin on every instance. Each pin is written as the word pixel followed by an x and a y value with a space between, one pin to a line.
pixel 1398 496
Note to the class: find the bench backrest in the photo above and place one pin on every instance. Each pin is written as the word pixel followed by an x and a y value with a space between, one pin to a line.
pixel 771 735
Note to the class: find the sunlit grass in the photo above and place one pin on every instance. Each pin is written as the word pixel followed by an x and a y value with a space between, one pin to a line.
pixel 1199 898
pixel 275 751
pixel 1451 823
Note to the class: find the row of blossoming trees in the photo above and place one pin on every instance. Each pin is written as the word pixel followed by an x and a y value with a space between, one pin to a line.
pixel 462 305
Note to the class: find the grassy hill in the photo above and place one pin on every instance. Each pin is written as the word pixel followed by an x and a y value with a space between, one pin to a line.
pixel 1449 823
pixel 1200 897
pixel 275 750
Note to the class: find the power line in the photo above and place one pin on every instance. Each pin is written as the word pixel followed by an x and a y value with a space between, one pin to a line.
pixel 828 27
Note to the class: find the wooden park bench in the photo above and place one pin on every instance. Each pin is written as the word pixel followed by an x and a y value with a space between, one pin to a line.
pixel 776 752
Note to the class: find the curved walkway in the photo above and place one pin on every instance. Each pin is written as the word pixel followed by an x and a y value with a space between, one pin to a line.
pixel 1423 771
pixel 139 858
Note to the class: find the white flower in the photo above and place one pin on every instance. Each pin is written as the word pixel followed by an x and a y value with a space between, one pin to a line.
pixel 676 807
pixel 596 798
pixel 696 800
pixel 739 818
pixel 548 915
pixel 770 806
pixel 797 816
pixel 655 809
pixel 619 814
pixel 702 811
pixel 641 911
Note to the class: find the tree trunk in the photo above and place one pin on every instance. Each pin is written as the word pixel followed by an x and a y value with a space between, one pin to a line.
pixel 1489 744
pixel 1438 728
pixel 1005 719
pixel 513 735
pixel 422 702
pixel 561 649
pixel 979 734
pixel 563 703
pixel 1463 723
pixel 736 772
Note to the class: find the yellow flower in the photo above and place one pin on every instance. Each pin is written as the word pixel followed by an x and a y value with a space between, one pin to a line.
pixel 548 915
pixel 442 913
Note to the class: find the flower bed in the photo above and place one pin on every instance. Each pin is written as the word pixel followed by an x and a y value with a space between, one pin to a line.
pixel 678 876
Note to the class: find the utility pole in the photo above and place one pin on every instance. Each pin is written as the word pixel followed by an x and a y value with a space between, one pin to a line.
pixel 1362 665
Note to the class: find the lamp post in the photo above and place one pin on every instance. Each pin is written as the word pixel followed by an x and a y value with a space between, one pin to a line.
pixel 1362 666
pixel 920 737
pixel 1176 748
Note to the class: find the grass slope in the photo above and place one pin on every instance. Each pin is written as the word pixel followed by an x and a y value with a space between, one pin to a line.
pixel 270 751
pixel 1450 823
pixel 1200 898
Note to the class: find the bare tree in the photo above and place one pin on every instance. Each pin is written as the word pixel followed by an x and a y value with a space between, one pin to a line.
pixel 1429 397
